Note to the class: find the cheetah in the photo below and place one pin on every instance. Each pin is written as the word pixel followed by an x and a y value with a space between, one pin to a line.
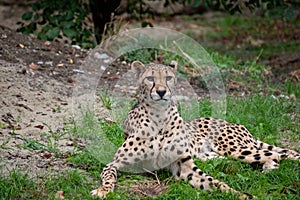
pixel 158 138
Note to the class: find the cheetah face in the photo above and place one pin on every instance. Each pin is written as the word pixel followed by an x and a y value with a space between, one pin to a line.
pixel 156 81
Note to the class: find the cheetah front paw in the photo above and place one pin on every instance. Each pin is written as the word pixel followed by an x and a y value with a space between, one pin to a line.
pixel 100 192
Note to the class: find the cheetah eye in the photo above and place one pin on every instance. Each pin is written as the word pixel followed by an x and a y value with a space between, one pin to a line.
pixel 168 78
pixel 150 78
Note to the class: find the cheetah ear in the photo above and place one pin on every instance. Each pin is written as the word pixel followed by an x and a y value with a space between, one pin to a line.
pixel 173 64
pixel 137 67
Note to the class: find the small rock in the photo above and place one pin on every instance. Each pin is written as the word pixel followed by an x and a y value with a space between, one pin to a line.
pixel 76 47
pixel 101 56
pixel 78 71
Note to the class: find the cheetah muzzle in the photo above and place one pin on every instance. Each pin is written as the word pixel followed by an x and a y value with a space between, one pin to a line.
pixel 157 137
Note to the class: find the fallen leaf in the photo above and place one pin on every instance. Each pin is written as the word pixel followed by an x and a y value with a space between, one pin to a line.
pixel 15 127
pixel 46 155
pixel 254 42
pixel 33 66
pixel 47 43
pixel 297 184
pixel 71 80
pixel 18 127
pixel 39 126
pixel 71 61
pixel 295 75
pixel 113 77
pixel 59 194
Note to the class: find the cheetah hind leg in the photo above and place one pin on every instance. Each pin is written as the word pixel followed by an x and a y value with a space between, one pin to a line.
pixel 284 153
pixel 269 159
pixel 187 170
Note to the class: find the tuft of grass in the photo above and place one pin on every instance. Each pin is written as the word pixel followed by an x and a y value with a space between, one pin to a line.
pixel 106 99
pixel 266 117
pixel 74 184
pixel 291 88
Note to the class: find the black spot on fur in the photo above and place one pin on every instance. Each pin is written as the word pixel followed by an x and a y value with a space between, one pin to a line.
pixel 270 147
pixel 172 148
pixel 189 177
pixel 186 159
pixel 179 152
pixel 257 157
pixel 268 154
pixel 245 153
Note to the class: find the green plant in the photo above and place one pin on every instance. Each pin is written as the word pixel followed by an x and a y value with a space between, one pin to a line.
pixel 32 144
pixel 145 55
pixel 105 99
pixel 291 88
pixel 4 143
pixel 62 19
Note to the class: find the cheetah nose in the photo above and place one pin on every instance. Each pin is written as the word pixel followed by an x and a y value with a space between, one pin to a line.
pixel 161 93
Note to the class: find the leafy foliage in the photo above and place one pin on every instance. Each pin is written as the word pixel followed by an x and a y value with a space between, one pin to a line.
pixel 52 19
pixel 139 10
pixel 58 19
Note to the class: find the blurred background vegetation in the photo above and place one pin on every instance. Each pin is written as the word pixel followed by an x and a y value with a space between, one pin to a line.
pixel 87 23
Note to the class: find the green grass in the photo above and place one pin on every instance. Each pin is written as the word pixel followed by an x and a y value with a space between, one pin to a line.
pixel 267 118
pixel 74 184
pixel 245 36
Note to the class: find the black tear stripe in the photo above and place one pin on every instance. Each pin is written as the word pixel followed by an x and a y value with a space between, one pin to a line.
pixel 168 87
pixel 152 89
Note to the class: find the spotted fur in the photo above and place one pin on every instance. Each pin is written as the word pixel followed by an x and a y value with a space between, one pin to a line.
pixel 157 137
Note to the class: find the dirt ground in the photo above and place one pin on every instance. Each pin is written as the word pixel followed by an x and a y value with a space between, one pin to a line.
pixel 36 82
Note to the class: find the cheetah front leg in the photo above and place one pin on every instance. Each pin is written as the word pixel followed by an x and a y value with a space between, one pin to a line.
pixel 128 158
pixel 187 170
pixel 109 179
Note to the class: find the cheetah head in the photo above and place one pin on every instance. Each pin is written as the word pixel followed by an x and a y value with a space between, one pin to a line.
pixel 156 81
